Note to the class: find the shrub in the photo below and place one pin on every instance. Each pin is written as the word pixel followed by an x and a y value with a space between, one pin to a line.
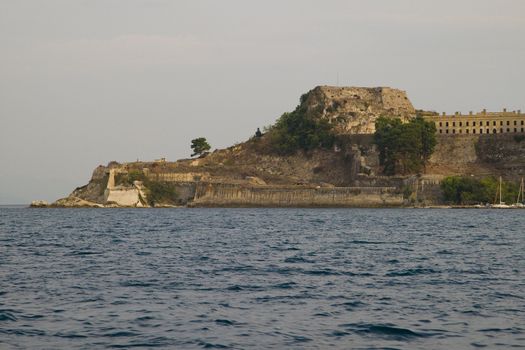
pixel 519 138
pixel 160 192
pixel 468 190
pixel 297 130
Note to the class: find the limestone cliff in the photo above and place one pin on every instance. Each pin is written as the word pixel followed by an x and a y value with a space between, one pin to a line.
pixel 355 109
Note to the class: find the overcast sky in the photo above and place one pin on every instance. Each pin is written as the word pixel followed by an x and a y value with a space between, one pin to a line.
pixel 86 82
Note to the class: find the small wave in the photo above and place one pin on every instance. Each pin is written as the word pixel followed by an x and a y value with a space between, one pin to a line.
pixel 478 345
pixel 323 272
pixel 350 305
pixel 151 343
pixel 206 345
pixel 501 295
pixel 32 317
pixel 357 241
pixel 239 288
pixel 385 330
pixel 295 338
pixel 135 283
pixel 121 334
pixel 411 272
pixel 27 332
pixel 83 252
pixel 69 335
pixel 224 322
pixel 144 318
pixel 286 285
pixel 142 253
pixel 298 259
pixel 7 316
pixel 338 334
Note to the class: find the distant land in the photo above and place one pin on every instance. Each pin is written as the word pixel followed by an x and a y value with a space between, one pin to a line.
pixel 323 154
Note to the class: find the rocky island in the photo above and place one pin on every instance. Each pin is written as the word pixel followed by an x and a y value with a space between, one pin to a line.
pixel 325 153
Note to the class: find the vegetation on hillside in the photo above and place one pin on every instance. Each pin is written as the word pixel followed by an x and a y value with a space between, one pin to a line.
pixel 464 190
pixel 297 130
pixel 404 148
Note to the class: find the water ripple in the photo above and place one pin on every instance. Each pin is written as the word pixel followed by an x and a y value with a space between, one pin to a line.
pixel 261 279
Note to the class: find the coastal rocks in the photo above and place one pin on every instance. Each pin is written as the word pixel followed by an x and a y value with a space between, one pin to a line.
pixel 39 204
pixel 75 202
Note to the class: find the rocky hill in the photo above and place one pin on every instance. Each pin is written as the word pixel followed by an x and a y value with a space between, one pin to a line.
pixel 347 174
pixel 355 109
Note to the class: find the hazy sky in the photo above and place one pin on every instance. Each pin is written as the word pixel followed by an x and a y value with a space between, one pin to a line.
pixel 86 82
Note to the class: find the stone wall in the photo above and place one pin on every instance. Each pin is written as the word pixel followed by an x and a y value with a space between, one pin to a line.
pixel 479 155
pixel 178 177
pixel 233 195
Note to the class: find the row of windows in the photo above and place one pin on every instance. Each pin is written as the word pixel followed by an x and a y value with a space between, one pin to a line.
pixel 487 131
pixel 487 123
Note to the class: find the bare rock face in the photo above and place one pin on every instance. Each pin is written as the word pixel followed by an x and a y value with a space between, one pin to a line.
pixel 355 109
pixel 75 202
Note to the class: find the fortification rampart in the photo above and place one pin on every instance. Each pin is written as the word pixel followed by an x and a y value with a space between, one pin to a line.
pixel 232 195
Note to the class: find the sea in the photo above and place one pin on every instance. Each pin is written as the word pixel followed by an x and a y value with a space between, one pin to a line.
pixel 262 278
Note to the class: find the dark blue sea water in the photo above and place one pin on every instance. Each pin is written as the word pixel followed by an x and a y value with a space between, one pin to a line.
pixel 261 278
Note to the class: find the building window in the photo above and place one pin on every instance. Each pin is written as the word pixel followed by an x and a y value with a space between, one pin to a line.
pixel 440 131
pixel 466 131
pixel 515 130
pixel 515 122
pixel 522 122
pixel 508 130
pixel 466 124
pixel 453 123
pixel 508 123
pixel 473 131
pixel 446 124
pixel 481 131
pixel 494 131
pixel 501 122
pixel 473 123
pixel 446 131
pixel 521 129
pixel 460 124
pixel 501 131
pixel 494 123
pixel 440 124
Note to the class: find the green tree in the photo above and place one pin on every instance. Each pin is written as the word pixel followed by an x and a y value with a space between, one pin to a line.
pixel 404 147
pixel 199 146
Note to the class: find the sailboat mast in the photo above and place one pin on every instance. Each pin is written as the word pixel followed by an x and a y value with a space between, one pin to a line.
pixel 500 190
pixel 520 192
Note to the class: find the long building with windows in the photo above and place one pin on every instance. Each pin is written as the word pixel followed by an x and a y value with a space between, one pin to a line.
pixel 479 123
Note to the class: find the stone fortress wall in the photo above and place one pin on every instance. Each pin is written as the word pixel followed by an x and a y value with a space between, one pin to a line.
pixel 479 123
